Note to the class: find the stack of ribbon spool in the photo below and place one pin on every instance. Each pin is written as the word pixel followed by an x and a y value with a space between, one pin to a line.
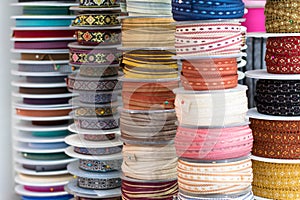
pixel 213 140
pixel 148 119
pixel 276 119
pixel 96 143
pixel 41 38
pixel 255 18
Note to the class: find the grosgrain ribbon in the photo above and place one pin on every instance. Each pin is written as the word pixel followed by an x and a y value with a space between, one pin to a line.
pixel 185 10
pixel 276 139
pixel 99 37
pixel 215 38
pixel 276 180
pixel 96 20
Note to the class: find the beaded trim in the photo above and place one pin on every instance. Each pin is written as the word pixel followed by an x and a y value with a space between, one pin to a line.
pixel 95 56
pixel 99 184
pixel 99 3
pixel 96 20
pixel 98 151
pixel 98 37
pixel 100 166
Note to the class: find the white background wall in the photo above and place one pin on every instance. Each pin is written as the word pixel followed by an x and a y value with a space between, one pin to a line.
pixel 6 163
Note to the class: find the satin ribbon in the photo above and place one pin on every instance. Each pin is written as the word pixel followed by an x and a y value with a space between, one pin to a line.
pixel 94 71
pixel 96 20
pixel 148 8
pixel 42 45
pixel 276 180
pixel 99 37
pixel 46 168
pixel 97 97
pixel 276 139
pixel 147 32
pixel 76 83
pixel 149 190
pixel 94 56
pixel 278 97
pixel 188 10
pixel 45 68
pixel 214 178
pixel 150 64
pixel 59 90
pixel 42 33
pixel 45 156
pixel 212 74
pixel 46 10
pixel 96 137
pixel 213 144
pixel 54 145
pixel 44 189
pixel 62 197
pixel 98 184
pixel 98 151
pixel 282 16
pixel 46 101
pixel 214 38
pixel 255 19
pixel 211 109
pixel 42 113
pixel 145 96
pixel 99 3
pixel 282 55
pixel 153 127
pixel 48 0
pixel 50 123
pixel 43 22
pixel 97 124
pixel 40 57
pixel 43 79
pixel 100 165
pixel 149 162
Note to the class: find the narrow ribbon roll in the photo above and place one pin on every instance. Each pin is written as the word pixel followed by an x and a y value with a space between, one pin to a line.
pixel 278 97
pixel 214 178
pixel 282 16
pixel 147 32
pixel 282 55
pixel 209 74
pixel 276 180
pixel 213 144
pixel 145 96
pixel 276 139
pixel 149 162
pixel 149 190
pixel 187 10
pixel 150 64
pixel 203 39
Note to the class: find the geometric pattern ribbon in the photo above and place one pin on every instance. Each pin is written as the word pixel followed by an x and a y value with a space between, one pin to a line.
pixel 99 37
pixel 99 3
pixel 96 20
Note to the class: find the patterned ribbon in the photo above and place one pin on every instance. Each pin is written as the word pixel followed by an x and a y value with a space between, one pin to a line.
pixel 282 16
pixel 145 96
pixel 94 71
pixel 282 55
pixel 98 151
pixel 213 144
pixel 149 190
pixel 211 74
pixel 98 37
pixel 39 57
pixel 153 127
pixel 186 10
pixel 43 33
pixel 248 196
pixel 97 111
pixel 215 38
pixel 149 162
pixel 99 3
pixel 44 189
pixel 100 165
pixel 150 64
pixel 42 45
pixel 97 123
pixel 84 84
pixel 97 137
pixel 147 32
pixel 276 139
pixel 99 183
pixel 276 180
pixel 148 8
pixel 45 68
pixel 97 97
pixel 211 109
pixel 214 178
pixel 94 56
pixel 42 113
pixel 96 20
pixel 278 97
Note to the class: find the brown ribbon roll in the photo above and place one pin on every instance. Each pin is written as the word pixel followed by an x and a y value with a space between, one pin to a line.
pixel 59 90
pixel 40 57
pixel 43 113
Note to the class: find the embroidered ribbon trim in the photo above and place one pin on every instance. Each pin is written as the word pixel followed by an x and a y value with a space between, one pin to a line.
pixel 275 180
pixel 214 178
pixel 98 151
pixel 213 144
pixel 276 139
pixel 97 97
pixel 94 71
pixel 149 162
pixel 98 37
pixel 96 137
pixel 95 56
pixel 97 124
pixel 184 10
pixel 99 3
pixel 282 16
pixel 100 111
pixel 96 20
pixel 98 184
pixel 99 165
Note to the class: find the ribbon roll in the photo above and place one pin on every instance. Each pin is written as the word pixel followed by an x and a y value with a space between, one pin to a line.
pixel 99 3
pixel 96 20
pixel 98 37
pixel 99 165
